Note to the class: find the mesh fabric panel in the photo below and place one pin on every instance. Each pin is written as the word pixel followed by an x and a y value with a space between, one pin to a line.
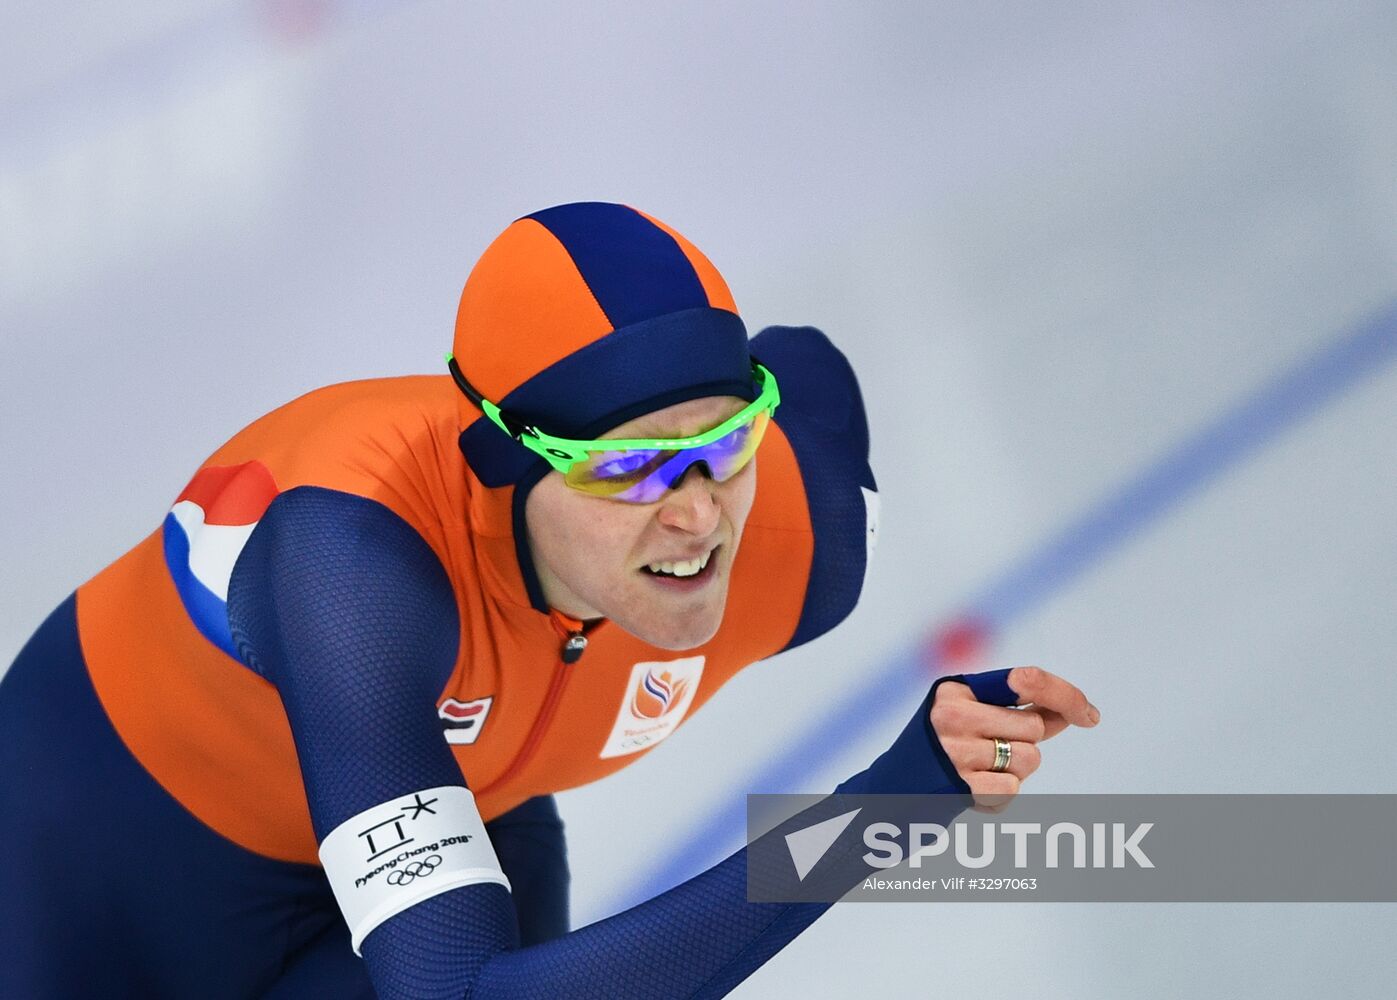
pixel 822 415
pixel 343 606
pixel 532 850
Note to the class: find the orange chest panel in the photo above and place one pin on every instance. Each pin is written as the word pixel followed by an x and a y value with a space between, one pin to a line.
pixel 549 724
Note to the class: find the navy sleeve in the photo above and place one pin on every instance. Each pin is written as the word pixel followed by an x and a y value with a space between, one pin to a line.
pixel 530 845
pixel 822 415
pixel 343 606
pixel 347 611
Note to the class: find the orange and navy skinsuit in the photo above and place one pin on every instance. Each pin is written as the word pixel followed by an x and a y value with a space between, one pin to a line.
pixel 215 734
pixel 341 608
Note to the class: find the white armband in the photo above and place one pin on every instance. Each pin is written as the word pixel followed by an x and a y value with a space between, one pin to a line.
pixel 406 850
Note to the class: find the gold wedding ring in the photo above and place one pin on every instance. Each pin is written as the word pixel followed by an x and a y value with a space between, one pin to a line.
pixel 1002 753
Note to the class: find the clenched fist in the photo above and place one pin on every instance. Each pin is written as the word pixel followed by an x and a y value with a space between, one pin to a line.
pixel 968 730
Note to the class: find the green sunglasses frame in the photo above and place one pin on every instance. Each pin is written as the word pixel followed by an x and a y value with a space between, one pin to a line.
pixel 563 453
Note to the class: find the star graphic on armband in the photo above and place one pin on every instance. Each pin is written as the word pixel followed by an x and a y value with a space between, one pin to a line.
pixel 418 807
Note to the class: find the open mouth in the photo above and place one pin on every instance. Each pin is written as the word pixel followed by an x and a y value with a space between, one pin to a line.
pixel 686 571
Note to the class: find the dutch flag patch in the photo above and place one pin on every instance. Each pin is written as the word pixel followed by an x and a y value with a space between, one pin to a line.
pixel 462 720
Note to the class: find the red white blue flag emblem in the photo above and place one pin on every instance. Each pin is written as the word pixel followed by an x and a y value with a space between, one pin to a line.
pixel 462 720
pixel 204 534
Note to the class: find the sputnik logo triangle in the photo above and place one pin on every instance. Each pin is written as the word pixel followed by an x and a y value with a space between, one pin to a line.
pixel 808 846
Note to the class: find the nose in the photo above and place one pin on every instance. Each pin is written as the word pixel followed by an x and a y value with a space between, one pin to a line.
pixel 691 505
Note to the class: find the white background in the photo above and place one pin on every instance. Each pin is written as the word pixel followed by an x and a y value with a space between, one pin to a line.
pixel 1054 239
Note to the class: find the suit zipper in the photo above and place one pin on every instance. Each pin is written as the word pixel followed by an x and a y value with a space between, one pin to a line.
pixel 574 645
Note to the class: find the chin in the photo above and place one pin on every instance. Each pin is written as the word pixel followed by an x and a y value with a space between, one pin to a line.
pixel 679 643
pixel 677 635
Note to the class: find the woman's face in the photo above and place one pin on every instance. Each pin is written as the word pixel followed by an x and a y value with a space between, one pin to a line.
pixel 594 555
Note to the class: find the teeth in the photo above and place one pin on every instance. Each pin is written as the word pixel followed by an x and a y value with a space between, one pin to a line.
pixel 686 568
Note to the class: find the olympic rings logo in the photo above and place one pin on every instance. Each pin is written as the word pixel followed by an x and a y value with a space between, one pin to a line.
pixel 423 868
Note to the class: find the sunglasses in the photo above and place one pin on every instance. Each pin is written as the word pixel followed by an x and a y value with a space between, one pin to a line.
pixel 641 470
